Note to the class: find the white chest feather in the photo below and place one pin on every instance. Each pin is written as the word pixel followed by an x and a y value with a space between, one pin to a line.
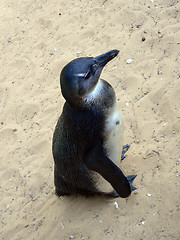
pixel 114 135
pixel 113 132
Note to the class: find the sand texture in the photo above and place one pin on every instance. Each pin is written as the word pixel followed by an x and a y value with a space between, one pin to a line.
pixel 37 39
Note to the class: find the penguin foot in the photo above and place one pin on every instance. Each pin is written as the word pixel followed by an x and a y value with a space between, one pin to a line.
pixel 130 179
pixel 124 150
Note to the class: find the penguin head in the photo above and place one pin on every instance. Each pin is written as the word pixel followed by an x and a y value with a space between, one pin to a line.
pixel 80 76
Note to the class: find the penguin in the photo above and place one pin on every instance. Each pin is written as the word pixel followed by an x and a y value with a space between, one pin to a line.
pixel 87 142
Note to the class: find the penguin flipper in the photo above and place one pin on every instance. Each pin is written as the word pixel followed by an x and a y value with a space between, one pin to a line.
pixel 98 161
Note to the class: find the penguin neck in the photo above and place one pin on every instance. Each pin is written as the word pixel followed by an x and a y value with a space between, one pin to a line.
pixel 95 92
pixel 83 102
pixel 101 97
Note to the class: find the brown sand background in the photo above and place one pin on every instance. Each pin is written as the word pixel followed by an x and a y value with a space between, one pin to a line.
pixel 37 39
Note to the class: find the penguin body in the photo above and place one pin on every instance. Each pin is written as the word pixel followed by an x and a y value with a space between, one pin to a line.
pixel 87 141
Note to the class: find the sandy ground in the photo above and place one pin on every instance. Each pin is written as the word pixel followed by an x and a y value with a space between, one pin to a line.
pixel 37 39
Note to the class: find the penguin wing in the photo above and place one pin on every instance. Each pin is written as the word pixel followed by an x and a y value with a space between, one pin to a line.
pixel 97 161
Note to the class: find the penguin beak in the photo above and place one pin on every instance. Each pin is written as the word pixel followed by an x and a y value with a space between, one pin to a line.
pixel 104 58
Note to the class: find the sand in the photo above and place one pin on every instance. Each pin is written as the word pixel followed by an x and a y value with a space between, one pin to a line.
pixel 37 39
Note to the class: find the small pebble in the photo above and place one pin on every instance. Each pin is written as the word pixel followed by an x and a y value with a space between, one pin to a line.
pixel 9 40
pixel 149 195
pixel 78 53
pixel 31 195
pixel 8 207
pixel 144 91
pixel 138 26
pixel 115 204
pixel 143 39
pixel 129 61
pixel 62 226
pixel 71 237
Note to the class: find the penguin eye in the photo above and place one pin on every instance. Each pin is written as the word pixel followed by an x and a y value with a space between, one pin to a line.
pixel 87 75
pixel 95 65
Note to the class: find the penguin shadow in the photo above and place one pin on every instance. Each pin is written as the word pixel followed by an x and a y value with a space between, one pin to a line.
pixel 86 203
pixel 78 205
